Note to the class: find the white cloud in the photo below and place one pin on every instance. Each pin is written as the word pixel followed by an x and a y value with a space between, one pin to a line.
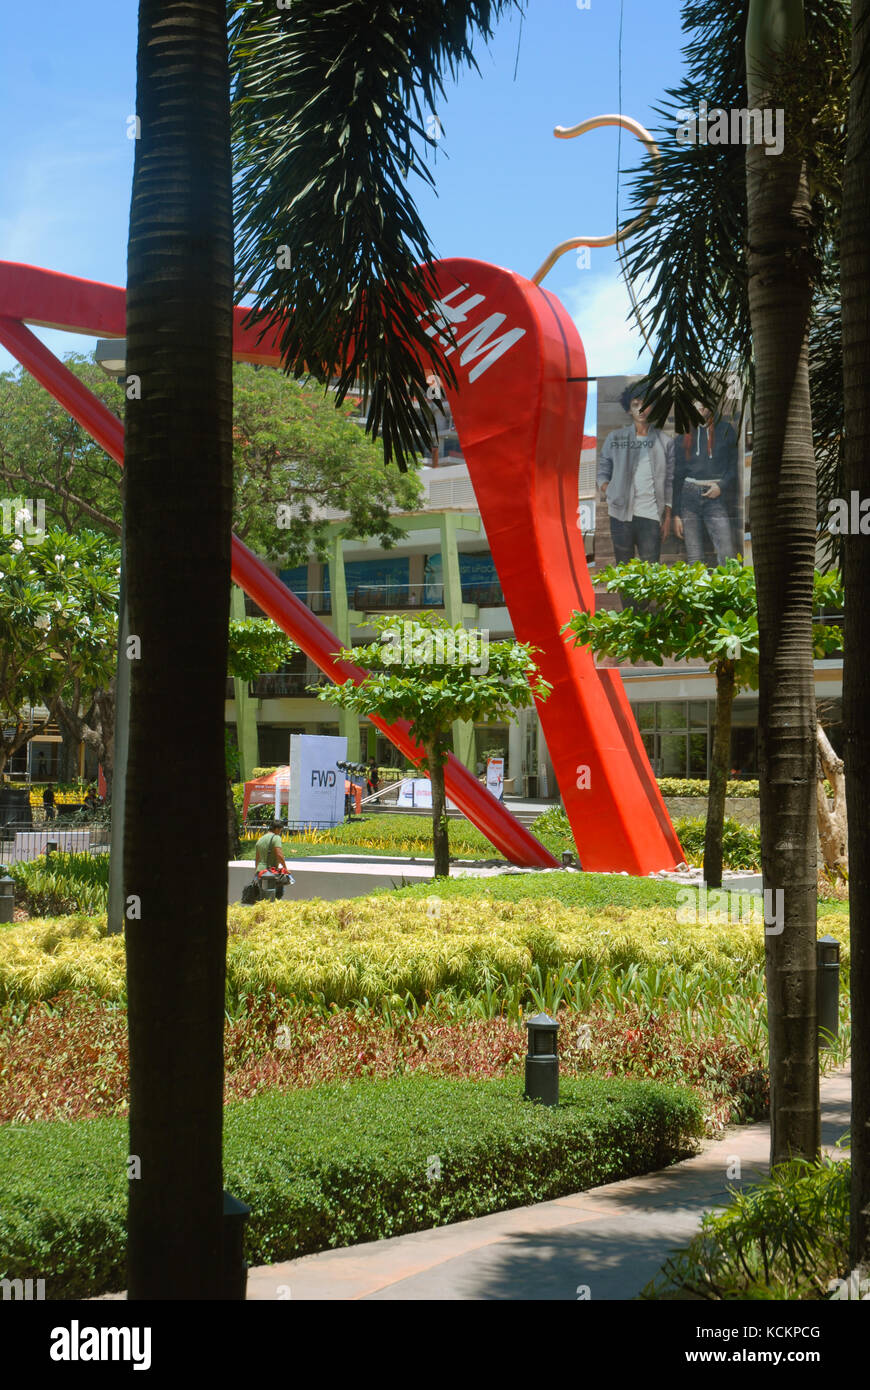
pixel 601 309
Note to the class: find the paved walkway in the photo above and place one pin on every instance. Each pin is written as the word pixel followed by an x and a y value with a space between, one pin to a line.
pixel 611 1240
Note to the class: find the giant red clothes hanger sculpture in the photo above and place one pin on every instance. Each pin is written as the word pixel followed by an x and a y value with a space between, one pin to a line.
pixel 519 409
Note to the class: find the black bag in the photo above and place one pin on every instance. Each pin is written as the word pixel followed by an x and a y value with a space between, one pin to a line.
pixel 251 894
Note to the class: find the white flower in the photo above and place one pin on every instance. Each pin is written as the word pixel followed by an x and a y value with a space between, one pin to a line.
pixel 17 545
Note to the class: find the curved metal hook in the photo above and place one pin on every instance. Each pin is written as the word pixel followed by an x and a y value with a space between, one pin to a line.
pixel 568 133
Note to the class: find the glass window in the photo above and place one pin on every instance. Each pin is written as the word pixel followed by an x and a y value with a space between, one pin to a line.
pixel 672 755
pixel 744 756
pixel 649 743
pixel 698 755
pixel 672 714
pixel 698 714
pixel 645 714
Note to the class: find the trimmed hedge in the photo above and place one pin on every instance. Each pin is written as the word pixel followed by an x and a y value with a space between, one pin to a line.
pixel 338 1165
pixel 685 786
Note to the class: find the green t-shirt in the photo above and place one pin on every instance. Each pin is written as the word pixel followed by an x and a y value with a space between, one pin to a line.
pixel 266 853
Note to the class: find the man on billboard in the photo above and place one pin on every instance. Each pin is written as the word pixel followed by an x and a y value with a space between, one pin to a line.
pixel 636 475
pixel 705 487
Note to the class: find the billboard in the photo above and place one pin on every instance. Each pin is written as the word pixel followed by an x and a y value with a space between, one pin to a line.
pixel 316 784
pixel 640 468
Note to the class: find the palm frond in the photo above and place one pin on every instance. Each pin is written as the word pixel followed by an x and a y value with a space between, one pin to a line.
pixel 687 262
pixel 330 107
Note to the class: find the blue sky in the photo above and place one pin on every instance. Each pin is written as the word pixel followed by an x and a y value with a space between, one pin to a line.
pixel 508 191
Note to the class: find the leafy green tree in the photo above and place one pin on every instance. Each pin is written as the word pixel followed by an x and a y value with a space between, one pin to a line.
pixel 45 453
pixel 86 708
pixel 691 613
pixel 431 673
pixel 58 617
pixel 257 646
pixel 294 455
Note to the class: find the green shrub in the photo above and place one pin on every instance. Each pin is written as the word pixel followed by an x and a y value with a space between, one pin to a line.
pixel 785 1238
pixel 65 883
pixel 695 786
pixel 337 1165
pixel 741 844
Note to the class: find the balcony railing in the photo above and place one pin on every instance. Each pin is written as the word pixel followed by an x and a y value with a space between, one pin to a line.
pixel 287 685
pixel 373 598
pixel 484 595
pixel 318 600
pixel 280 685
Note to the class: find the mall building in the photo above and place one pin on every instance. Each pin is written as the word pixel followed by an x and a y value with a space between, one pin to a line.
pixel 443 563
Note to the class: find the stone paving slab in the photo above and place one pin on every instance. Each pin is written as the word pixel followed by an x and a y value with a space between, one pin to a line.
pixel 611 1239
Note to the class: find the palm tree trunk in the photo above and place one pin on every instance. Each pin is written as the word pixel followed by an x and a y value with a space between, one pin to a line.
pixel 783 504
pixel 719 765
pixel 855 272
pixel 178 510
pixel 440 823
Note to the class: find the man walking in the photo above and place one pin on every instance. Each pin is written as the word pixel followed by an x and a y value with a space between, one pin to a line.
pixel 705 487
pixel 636 476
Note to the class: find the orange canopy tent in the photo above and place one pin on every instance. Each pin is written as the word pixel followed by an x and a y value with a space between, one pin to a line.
pixel 261 792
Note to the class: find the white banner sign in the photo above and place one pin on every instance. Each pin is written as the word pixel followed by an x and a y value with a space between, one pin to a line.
pixel 417 792
pixel 316 784
pixel 495 777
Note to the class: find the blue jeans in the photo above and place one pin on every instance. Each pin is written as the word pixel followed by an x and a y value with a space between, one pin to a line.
pixel 710 513
pixel 640 533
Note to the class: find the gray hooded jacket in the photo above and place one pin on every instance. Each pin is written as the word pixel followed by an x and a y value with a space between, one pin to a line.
pixel 618 462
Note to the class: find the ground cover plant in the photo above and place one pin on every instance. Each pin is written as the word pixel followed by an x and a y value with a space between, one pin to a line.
pixel 68 1059
pixel 385 946
pixel 784 1238
pixel 63 883
pixel 339 1165
pixel 377 947
pixel 382 834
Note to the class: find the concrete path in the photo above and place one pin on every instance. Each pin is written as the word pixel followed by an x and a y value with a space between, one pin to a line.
pixel 602 1244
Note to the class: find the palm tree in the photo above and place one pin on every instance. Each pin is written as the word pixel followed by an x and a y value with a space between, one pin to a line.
pixel 783 502
pixel 732 259
pixel 855 256
pixel 356 242
pixel 178 503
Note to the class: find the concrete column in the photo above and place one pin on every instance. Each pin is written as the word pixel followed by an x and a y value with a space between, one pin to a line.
pixel 515 754
pixel 348 720
pixel 246 712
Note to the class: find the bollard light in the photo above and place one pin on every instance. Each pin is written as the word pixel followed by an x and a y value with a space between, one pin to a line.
pixel 50 848
pixel 542 1060
pixel 828 988
pixel 567 859
pixel 7 899
pixel 235 1271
